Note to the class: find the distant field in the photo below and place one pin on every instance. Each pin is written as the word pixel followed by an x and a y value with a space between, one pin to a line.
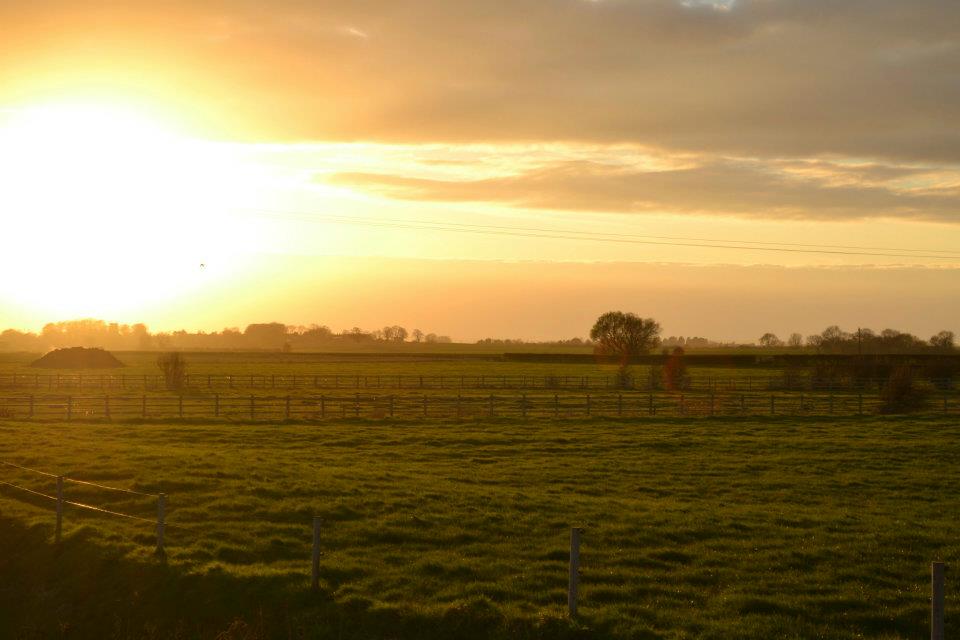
pixel 730 528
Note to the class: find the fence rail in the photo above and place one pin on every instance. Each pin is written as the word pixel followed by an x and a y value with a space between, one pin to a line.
pixel 785 381
pixel 61 501
pixel 461 406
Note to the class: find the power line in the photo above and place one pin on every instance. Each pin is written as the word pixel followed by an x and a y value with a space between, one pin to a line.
pixel 567 234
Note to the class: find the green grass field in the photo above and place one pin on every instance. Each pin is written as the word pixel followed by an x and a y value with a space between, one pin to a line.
pixel 726 528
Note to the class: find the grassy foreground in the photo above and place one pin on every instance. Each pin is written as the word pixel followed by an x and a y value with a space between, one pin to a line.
pixel 727 528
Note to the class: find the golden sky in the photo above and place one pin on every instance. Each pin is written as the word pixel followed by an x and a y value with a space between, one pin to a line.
pixel 482 168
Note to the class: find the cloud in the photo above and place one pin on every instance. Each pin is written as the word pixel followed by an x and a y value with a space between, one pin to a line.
pixel 780 190
pixel 754 78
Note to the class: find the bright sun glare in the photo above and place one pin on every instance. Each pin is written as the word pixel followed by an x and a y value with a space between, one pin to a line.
pixel 111 209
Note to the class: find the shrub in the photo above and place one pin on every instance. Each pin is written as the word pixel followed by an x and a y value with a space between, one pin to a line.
pixel 900 393
pixel 174 368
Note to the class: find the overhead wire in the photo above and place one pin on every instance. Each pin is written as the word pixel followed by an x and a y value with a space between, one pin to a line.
pixel 569 234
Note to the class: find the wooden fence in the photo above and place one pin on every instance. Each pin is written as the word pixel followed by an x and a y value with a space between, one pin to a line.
pixel 783 381
pixel 413 406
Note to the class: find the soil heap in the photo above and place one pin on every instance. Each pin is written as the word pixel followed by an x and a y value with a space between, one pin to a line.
pixel 78 358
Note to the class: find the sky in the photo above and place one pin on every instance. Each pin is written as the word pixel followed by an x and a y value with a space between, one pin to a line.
pixel 482 168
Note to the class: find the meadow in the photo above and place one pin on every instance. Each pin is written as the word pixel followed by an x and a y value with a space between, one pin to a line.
pixel 721 528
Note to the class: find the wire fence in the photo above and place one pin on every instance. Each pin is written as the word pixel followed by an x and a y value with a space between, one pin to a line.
pixel 414 406
pixel 60 500
pixel 781 381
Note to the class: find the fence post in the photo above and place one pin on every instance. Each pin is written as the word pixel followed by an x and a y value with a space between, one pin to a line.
pixel 69 407
pixel 180 406
pixel 588 405
pixel 59 509
pixel 945 401
pixel 161 522
pixel 106 407
pixel 316 552
pixel 743 403
pixel 424 405
pixel 936 601
pixel 253 410
pixel 31 405
pixel 286 409
pixel 391 405
pixel 619 404
pixel 490 405
pixel 574 571
pixel 143 407
pixel 216 405
pixel 458 404
pixel 556 406
pixel 323 407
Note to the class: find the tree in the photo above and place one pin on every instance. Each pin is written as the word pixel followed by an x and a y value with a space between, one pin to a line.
pixel 174 368
pixel 418 335
pixel 795 341
pixel 770 340
pixel 943 340
pixel 625 334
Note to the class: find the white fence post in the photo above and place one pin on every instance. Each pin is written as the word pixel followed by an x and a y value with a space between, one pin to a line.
pixel 161 522
pixel 574 571
pixel 59 509
pixel 316 551
pixel 936 601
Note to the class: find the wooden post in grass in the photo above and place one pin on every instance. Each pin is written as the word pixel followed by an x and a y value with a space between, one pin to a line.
pixel 253 410
pixel 216 405
pixel 59 509
pixel 556 406
pixel 286 409
pixel 143 407
pixel 31 405
pixel 424 405
pixel 161 521
pixel 574 571
pixel 180 406
pixel 490 405
pixel 588 405
pixel 69 407
pixel 743 403
pixel 323 407
pixel 936 600
pixel 316 552
pixel 458 405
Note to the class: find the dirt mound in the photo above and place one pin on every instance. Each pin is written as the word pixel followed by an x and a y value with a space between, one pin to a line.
pixel 78 358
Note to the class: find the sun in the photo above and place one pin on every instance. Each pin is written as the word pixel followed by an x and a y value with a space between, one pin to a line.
pixel 106 208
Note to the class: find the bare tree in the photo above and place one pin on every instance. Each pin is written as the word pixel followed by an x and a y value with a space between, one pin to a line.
pixel 795 341
pixel 625 334
pixel 174 368
pixel 943 340
pixel 770 340
pixel 418 335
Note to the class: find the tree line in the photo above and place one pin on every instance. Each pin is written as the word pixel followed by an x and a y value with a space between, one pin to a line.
pixel 137 337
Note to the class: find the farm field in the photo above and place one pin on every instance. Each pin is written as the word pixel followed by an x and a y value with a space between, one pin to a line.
pixel 731 527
